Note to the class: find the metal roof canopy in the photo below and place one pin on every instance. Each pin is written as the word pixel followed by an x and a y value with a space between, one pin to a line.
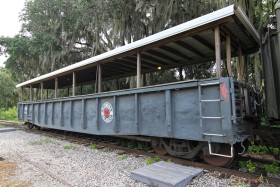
pixel 189 43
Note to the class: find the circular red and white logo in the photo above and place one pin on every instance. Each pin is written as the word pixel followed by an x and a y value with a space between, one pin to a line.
pixel 107 113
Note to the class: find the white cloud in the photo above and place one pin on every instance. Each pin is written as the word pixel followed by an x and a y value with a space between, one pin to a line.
pixel 9 19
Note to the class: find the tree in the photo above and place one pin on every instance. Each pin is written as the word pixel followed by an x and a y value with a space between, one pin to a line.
pixel 57 33
pixel 8 92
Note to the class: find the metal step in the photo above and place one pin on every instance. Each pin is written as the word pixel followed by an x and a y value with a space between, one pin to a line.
pixel 165 174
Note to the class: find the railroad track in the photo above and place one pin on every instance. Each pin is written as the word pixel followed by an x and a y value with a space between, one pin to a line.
pixel 87 140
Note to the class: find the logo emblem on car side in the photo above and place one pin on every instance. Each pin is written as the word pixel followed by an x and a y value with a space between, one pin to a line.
pixel 107 112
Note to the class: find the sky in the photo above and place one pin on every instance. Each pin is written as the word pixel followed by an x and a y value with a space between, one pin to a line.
pixel 9 19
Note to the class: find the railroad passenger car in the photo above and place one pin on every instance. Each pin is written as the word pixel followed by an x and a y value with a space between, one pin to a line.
pixel 186 119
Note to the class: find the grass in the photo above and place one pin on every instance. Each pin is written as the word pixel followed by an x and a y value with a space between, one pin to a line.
pixel 105 150
pixel 152 160
pixel 122 156
pixel 92 146
pixel 169 160
pixel 2 126
pixel 238 183
pixel 9 114
pixel 46 140
pixel 143 146
pixel 68 147
pixel 132 144
pixel 35 143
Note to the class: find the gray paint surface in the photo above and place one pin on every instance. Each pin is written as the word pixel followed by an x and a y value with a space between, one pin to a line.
pixel 165 174
pixel 173 110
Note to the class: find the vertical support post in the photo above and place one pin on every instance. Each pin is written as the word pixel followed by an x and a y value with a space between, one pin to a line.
pixel 21 94
pixel 138 77
pixel 181 72
pixel 31 93
pixel 218 51
pixel 42 88
pixel 99 78
pixel 240 64
pixel 228 52
pixel 56 87
pixel 246 69
pixel 81 89
pixel 74 84
pixel 47 93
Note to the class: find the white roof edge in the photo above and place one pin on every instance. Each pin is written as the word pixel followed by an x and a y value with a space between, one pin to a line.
pixel 247 23
pixel 211 17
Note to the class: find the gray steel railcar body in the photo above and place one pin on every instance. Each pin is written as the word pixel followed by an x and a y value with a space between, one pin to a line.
pixel 201 110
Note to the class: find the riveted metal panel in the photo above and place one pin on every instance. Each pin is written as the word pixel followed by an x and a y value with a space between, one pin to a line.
pixel 201 110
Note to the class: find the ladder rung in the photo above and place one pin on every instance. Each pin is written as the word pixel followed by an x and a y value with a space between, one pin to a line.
pixel 209 84
pixel 211 100
pixel 208 134
pixel 208 117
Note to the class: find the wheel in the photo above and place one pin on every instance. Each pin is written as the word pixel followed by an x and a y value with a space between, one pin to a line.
pixel 214 160
pixel 30 126
pixel 158 146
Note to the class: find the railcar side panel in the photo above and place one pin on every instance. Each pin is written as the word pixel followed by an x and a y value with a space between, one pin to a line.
pixel 201 110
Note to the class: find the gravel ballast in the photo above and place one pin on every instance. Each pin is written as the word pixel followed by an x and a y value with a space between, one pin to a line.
pixel 43 161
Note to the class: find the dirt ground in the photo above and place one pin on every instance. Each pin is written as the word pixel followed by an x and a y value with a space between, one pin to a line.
pixel 7 171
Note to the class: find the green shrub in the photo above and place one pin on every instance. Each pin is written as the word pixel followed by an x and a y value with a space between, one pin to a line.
pixel 249 165
pixel 262 149
pixel 9 114
pixel 259 149
pixel 272 168
pixel 132 144
pixel 152 160
pixel 143 146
